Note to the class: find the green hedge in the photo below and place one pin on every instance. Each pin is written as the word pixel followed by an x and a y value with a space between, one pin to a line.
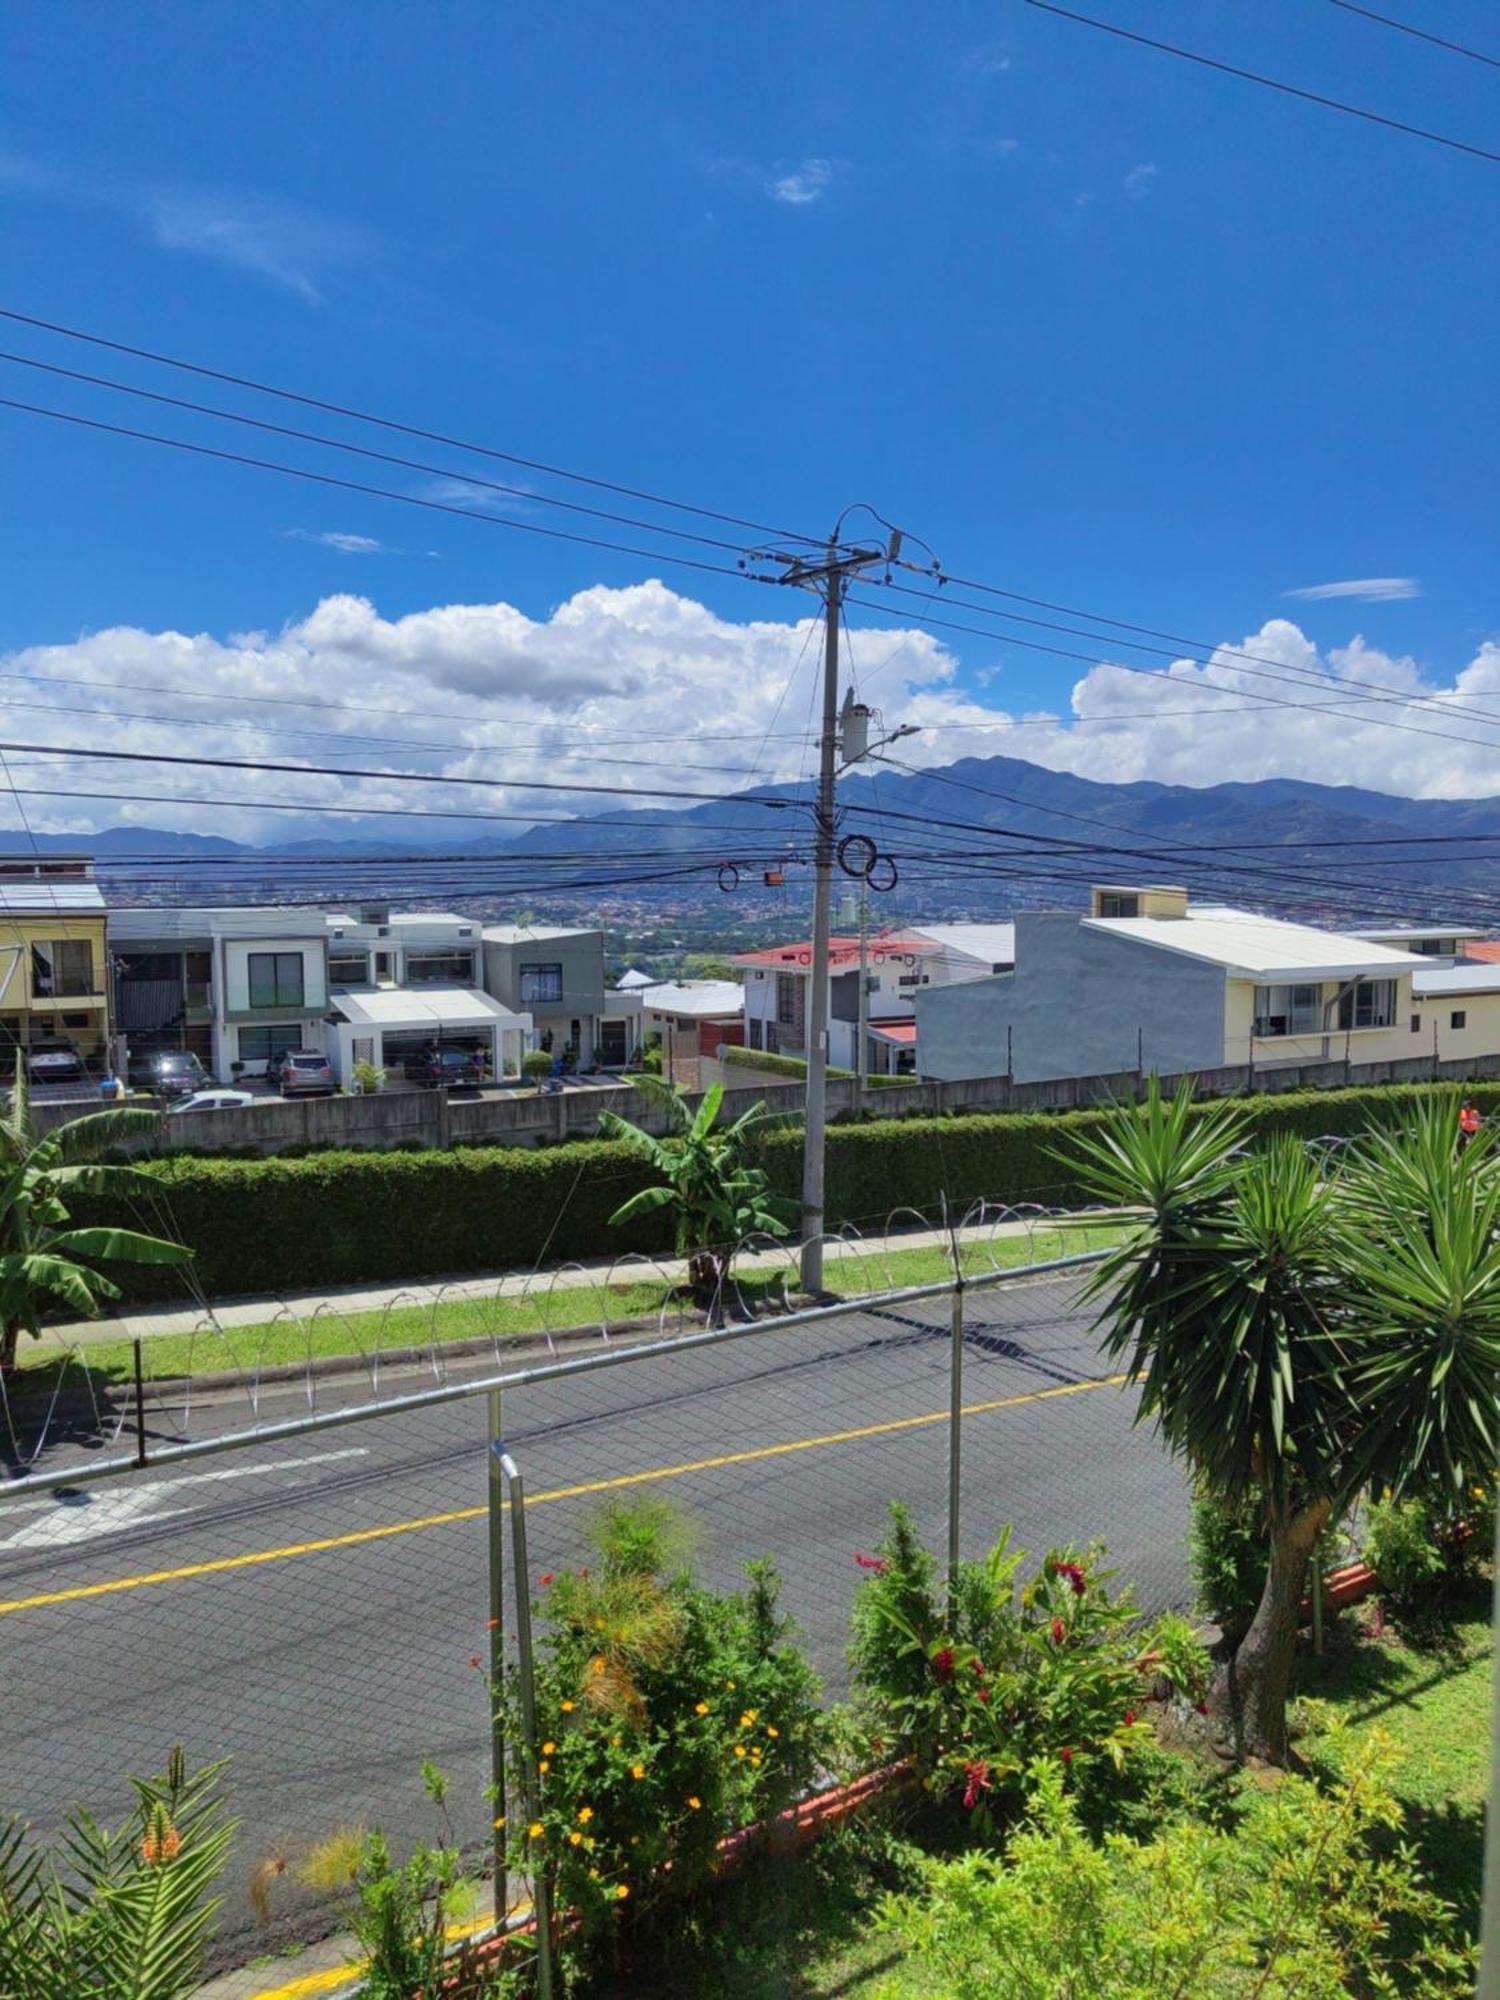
pixel 793 1067
pixel 348 1217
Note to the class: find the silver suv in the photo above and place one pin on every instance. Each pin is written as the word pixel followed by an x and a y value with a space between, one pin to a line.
pixel 301 1073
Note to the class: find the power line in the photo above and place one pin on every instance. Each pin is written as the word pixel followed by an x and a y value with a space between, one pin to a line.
pixel 1268 82
pixel 1259 664
pixel 365 451
pixel 1152 673
pixel 1421 34
pixel 408 430
pixel 374 492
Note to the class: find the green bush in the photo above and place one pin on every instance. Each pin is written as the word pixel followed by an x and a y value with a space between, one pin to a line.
pixel 1401 1547
pixel 344 1216
pixel 1300 1895
pixel 1227 1545
pixel 1048 1671
pixel 672 1716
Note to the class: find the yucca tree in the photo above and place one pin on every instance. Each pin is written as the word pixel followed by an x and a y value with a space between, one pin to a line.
pixel 1296 1337
pixel 42 1259
pixel 708 1178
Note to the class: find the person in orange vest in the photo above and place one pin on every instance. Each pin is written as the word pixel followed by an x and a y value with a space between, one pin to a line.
pixel 1469 1123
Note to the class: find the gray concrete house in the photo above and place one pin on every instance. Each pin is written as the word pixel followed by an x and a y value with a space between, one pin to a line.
pixel 557 977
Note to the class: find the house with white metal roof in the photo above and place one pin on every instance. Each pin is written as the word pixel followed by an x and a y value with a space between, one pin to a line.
pixel 1147 980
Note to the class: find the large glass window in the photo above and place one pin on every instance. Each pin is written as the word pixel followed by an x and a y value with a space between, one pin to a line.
pixel 452 968
pixel 788 999
pixel 1118 903
pixel 1371 1004
pixel 541 983
pixel 348 968
pixel 1289 1010
pixel 260 1044
pixel 276 979
pixel 62 967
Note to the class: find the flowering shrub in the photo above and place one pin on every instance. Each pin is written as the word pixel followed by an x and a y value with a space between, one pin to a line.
pixel 1422 1549
pixel 670 1715
pixel 1296 1897
pixel 1043 1671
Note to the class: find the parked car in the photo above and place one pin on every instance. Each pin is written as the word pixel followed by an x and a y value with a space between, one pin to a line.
pixel 445 1069
pixel 212 1100
pixel 54 1060
pixel 171 1073
pixel 301 1073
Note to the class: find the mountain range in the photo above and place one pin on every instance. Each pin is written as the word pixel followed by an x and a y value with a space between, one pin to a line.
pixel 1012 833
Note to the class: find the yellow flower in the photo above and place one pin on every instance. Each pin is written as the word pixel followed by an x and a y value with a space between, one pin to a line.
pixel 621 1892
pixel 695 1804
pixel 575 1838
pixel 702 1707
pixel 751 1715
pixel 1478 1492
pixel 754 1756
pixel 637 1770
pixel 772 1730
pixel 585 1814
pixel 535 1829
pixel 597 1663
pixel 598 1624
pixel 544 1767
pixel 567 1708
pixel 593 1874
pixel 730 1686
pixel 739 1749
pixel 615 1742
pixel 746 1719
pixel 548 1748
pixel 499 1825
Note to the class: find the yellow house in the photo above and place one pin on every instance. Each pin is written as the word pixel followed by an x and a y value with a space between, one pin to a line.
pixel 53 963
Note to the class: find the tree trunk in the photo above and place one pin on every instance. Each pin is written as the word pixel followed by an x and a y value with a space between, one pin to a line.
pixel 1249 1696
pixel 10 1334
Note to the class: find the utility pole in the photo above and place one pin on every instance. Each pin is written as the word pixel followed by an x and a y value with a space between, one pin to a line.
pixel 830 577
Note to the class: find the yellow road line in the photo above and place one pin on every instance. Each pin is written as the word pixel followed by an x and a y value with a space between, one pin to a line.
pixel 356 1536
pixel 329 1980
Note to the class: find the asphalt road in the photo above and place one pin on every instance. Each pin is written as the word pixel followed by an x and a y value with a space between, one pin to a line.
pixel 311 1609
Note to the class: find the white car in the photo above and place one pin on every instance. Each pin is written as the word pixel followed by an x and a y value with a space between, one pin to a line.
pixel 211 1100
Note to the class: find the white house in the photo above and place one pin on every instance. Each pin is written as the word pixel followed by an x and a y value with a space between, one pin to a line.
pixel 1147 980
pixel 235 985
pixel 401 983
pixel 898 966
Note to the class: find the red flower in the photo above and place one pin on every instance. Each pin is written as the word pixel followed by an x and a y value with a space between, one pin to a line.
pixel 474 1660
pixel 1059 1631
pixel 1074 1575
pixel 1066 1754
pixel 545 1578
pixel 1203 1708
pixel 984 1694
pixel 942 1663
pixel 978 1666
pixel 876 1563
pixel 977 1777
pixel 1130 1718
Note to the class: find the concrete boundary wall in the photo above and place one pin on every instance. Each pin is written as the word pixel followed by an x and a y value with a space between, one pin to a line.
pixel 524 1117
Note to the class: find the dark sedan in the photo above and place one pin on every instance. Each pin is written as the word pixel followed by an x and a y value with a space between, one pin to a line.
pixel 444 1069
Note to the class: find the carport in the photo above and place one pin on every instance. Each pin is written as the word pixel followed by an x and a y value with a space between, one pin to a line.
pixel 384 1025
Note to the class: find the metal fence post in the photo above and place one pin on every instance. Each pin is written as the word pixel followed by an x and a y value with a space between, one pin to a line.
pixel 531 1780
pixel 140 1405
pixel 497 1651
pixel 955 1412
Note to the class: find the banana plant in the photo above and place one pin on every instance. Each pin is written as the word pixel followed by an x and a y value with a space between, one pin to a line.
pixel 43 1260
pixel 708 1179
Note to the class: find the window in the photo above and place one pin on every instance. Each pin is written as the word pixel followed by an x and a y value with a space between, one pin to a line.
pixel 1416 1024
pixel 261 1044
pixel 1112 903
pixel 276 979
pixel 348 968
pixel 446 968
pixel 752 1029
pixel 912 979
pixel 62 966
pixel 1288 1010
pixel 540 983
pixel 1458 1018
pixel 1371 1004
pixel 87 1021
pixel 788 994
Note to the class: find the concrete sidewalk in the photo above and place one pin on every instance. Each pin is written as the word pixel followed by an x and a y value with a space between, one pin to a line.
pixel 148 1322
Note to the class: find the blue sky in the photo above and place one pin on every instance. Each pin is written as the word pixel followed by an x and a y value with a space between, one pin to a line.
pixel 1099 326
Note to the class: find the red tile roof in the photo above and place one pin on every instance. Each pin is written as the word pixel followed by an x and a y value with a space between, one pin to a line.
pixel 1486 953
pixel 841 951
pixel 904 1032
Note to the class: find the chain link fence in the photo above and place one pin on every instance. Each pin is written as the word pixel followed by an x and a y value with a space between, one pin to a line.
pixel 311 1598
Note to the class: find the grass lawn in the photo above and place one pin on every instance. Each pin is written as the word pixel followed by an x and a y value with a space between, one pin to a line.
pixel 548 1308
pixel 1436 1704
